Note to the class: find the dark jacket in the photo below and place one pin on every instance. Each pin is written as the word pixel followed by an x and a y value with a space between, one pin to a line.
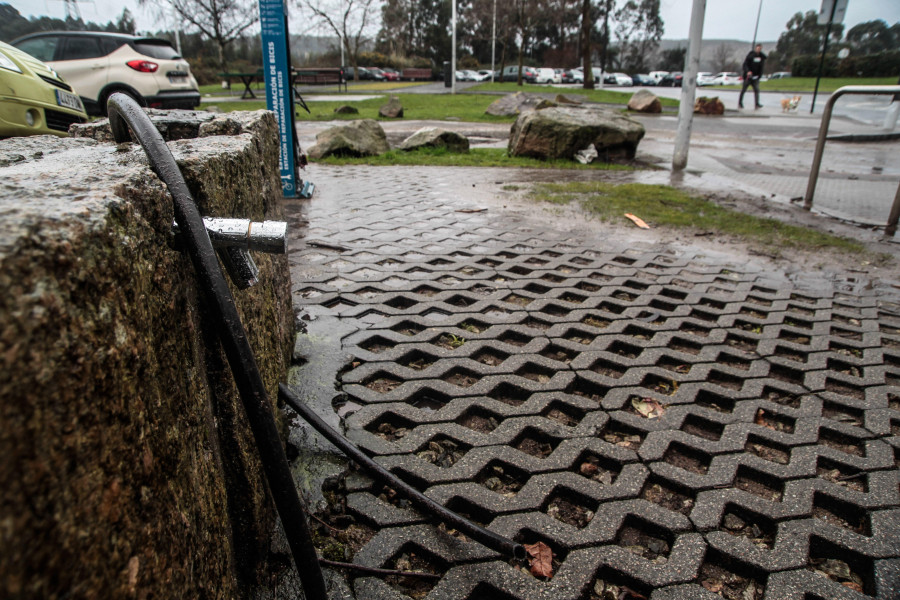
pixel 753 63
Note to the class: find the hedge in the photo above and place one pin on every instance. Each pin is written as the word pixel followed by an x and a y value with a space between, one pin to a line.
pixel 882 64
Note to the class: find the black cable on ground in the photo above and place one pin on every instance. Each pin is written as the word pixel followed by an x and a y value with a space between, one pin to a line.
pixel 123 111
pixel 490 539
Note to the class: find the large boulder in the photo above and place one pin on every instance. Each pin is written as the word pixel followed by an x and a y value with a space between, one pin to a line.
pixel 709 106
pixel 346 109
pixel 562 131
pixel 645 101
pixel 516 104
pixel 364 137
pixel 434 137
pixel 392 110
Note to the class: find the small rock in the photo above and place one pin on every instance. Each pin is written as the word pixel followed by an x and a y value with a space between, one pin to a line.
pixel 433 137
pixel 645 101
pixel 709 106
pixel 393 109
pixel 346 109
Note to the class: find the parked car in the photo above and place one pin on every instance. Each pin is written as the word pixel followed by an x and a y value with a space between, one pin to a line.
pixel 390 74
pixel 618 79
pixel 511 73
pixel 704 78
pixel 486 74
pixel 643 79
pixel 658 75
pixel 97 64
pixel 376 73
pixel 34 99
pixel 568 76
pixel 546 75
pixel 364 74
pixel 726 78
pixel 780 75
pixel 672 79
pixel 385 76
pixel 572 76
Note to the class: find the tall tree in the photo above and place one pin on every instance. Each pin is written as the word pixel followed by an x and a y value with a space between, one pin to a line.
pixel 672 59
pixel 722 59
pixel 350 20
pixel 222 21
pixel 638 30
pixel 587 25
pixel 125 23
pixel 804 36
pixel 872 37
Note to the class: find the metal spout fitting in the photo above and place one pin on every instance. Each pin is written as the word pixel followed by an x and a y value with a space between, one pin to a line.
pixel 234 238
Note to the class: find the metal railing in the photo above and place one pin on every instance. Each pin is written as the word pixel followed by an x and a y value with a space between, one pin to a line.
pixel 864 90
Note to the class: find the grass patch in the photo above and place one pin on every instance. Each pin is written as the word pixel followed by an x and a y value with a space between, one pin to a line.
pixel 476 157
pixel 432 107
pixel 604 96
pixel 664 206
pixel 459 107
pixel 808 84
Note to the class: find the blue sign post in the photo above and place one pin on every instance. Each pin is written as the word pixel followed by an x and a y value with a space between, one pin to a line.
pixel 277 71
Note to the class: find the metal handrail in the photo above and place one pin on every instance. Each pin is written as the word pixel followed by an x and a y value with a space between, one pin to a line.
pixel 865 90
pixel 124 113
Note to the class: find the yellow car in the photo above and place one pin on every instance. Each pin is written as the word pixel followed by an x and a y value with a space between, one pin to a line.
pixel 34 99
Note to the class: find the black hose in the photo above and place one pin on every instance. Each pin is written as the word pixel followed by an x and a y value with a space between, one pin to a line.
pixel 490 539
pixel 124 110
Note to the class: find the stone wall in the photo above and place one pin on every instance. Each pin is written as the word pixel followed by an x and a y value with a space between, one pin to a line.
pixel 128 469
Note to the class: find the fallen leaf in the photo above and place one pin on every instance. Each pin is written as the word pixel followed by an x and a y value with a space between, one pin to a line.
pixel 637 221
pixel 541 559
pixel 853 586
pixel 471 210
pixel 648 407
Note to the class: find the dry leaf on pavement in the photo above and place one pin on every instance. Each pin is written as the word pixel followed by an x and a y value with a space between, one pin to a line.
pixel 541 559
pixel 648 407
pixel 637 221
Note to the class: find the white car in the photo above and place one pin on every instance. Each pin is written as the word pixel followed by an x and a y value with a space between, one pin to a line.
pixel 546 75
pixel 98 64
pixel 622 79
pixel 726 78
pixel 657 75
pixel 705 78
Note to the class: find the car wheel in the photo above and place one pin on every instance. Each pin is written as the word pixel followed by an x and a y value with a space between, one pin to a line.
pixel 136 97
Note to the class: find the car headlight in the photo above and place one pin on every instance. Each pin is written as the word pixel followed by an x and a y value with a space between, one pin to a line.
pixel 6 63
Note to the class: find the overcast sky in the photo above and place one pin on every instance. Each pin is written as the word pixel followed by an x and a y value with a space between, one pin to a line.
pixel 725 19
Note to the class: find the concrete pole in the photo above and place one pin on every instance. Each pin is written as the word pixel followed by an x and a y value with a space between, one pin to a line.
pixel 453 51
pixel 688 87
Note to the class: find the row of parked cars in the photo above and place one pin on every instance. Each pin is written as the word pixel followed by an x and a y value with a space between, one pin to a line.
pixel 371 74
pixel 50 80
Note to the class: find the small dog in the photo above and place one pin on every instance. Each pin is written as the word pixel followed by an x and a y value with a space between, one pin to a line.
pixel 789 104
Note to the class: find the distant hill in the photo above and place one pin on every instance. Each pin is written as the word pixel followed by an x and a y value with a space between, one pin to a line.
pixel 713 51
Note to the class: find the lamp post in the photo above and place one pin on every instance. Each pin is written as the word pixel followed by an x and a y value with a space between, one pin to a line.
pixel 756 29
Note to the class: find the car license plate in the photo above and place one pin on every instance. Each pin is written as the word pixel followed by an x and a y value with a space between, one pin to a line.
pixel 176 77
pixel 64 98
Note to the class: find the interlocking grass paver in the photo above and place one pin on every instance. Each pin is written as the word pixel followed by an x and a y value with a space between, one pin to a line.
pixel 498 358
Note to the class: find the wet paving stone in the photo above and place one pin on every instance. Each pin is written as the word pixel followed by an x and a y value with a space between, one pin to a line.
pixel 674 422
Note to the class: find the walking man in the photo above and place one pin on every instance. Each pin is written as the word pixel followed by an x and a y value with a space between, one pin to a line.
pixel 752 68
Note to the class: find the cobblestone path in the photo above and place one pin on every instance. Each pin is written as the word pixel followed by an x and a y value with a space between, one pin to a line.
pixel 677 423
